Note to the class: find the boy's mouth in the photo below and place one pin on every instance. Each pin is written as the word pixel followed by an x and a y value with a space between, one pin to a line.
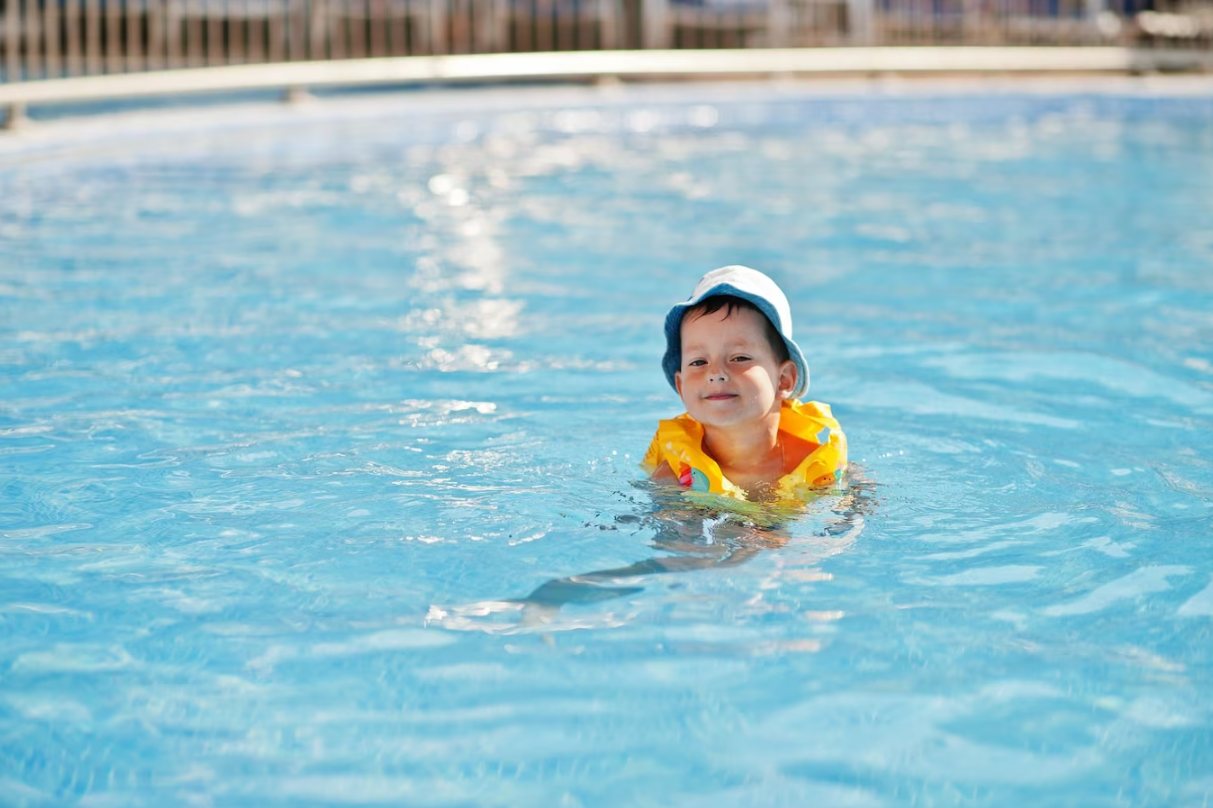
pixel 720 396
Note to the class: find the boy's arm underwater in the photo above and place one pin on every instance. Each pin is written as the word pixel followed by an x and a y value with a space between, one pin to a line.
pixel 688 537
pixel 697 542
pixel 664 475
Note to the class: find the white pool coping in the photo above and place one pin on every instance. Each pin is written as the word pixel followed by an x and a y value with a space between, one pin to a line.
pixel 591 65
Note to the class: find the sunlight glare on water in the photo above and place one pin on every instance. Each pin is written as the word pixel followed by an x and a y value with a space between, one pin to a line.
pixel 319 445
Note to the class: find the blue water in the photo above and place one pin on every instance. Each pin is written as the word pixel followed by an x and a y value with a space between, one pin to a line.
pixel 309 425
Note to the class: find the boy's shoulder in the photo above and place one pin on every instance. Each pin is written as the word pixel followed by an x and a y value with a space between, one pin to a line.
pixel 681 430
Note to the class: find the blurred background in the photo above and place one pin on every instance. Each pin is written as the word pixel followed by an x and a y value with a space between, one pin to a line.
pixel 44 39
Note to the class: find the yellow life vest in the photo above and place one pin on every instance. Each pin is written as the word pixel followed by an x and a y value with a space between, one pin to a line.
pixel 679 443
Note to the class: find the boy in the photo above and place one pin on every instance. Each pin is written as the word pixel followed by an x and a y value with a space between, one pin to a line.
pixel 745 434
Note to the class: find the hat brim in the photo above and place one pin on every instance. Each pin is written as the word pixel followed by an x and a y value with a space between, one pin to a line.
pixel 671 363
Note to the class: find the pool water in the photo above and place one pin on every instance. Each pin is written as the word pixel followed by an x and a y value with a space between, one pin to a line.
pixel 319 437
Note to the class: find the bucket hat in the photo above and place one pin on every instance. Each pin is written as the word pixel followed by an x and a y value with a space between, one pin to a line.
pixel 747 284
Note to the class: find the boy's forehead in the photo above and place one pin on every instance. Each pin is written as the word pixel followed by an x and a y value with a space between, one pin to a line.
pixel 723 316
pixel 739 325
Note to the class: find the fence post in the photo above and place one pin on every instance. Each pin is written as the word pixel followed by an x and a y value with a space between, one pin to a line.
pixel 610 23
pixel 437 22
pixel 859 21
pixel 655 24
pixel 12 42
pixel 1094 9
pixel 778 24
pixel 32 31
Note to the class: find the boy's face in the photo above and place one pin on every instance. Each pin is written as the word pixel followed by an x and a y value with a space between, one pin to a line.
pixel 730 376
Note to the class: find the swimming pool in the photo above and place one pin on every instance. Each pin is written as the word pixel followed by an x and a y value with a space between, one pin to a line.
pixel 294 413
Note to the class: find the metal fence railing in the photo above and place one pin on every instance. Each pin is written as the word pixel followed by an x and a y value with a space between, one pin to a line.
pixel 44 39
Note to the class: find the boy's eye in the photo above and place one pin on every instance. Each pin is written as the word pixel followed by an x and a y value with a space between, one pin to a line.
pixel 741 358
pixel 696 363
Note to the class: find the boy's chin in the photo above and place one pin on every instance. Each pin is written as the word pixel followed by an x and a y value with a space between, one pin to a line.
pixel 725 418
pixel 718 420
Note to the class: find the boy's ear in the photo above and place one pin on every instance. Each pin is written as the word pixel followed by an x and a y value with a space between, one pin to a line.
pixel 678 382
pixel 787 378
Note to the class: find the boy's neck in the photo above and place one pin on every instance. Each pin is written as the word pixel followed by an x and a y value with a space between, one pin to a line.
pixel 747 454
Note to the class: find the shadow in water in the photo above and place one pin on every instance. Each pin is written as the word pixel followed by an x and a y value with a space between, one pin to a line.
pixel 692 534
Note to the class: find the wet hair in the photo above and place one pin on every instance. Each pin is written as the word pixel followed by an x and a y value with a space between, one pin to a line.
pixel 731 304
